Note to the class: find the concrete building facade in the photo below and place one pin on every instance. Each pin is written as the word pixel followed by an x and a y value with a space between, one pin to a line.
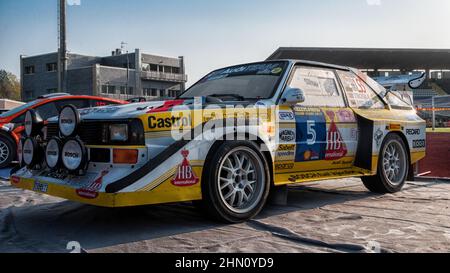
pixel 119 76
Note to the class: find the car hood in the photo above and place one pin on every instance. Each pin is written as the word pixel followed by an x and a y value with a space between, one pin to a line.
pixel 127 111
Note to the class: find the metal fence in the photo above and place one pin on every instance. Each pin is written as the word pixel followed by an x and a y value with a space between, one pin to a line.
pixel 436 111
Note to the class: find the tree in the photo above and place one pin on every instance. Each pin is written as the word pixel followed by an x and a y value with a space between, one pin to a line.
pixel 9 86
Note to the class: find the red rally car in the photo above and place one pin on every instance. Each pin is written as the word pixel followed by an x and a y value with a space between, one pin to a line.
pixel 12 122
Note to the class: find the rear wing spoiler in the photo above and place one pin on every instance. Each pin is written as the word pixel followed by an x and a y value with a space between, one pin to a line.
pixel 393 82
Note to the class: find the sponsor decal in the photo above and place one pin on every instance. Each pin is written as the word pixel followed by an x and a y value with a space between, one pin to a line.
pixel 319 175
pixel 420 143
pixel 185 175
pixel 285 154
pixel 346 116
pixel 40 187
pixel 286 147
pixel 378 136
pixel 287 135
pixel 286 116
pixel 92 191
pixel 311 135
pixel 15 179
pixel 284 166
pixel 277 70
pixel 310 155
pixel 413 132
pixel 336 147
pixel 167 123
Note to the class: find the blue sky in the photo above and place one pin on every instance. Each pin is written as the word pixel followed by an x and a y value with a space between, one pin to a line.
pixel 216 33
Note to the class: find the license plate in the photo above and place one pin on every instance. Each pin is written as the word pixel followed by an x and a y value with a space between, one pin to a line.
pixel 40 187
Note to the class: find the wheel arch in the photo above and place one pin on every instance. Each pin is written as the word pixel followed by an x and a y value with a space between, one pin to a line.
pixel 258 141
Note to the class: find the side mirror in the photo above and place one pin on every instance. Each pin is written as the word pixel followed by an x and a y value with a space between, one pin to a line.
pixel 292 96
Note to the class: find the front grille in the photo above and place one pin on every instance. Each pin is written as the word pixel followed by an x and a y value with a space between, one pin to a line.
pixel 97 132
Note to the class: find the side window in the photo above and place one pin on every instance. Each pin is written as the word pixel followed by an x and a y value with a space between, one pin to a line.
pixel 47 110
pixel 80 104
pixel 359 94
pixel 19 120
pixel 320 87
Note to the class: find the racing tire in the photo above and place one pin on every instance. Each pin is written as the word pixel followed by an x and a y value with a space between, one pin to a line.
pixel 236 182
pixel 7 151
pixel 393 167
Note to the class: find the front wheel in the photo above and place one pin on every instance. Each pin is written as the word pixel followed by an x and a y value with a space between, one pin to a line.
pixel 236 182
pixel 393 167
pixel 7 152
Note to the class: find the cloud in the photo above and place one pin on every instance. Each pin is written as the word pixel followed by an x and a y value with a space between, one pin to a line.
pixel 374 2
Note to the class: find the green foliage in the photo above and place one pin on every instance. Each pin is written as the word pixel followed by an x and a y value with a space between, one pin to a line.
pixel 9 86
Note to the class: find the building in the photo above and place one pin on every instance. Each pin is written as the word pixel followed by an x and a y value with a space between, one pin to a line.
pixel 6 105
pixel 120 76
pixel 383 62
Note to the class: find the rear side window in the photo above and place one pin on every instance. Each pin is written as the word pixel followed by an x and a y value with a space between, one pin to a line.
pixel 47 110
pixel 78 103
pixel 359 93
pixel 319 85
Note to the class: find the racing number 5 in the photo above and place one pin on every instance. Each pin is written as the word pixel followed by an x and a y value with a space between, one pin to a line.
pixel 312 135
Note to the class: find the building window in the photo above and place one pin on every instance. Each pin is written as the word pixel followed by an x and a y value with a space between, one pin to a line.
pixel 29 70
pixel 108 89
pixel 147 92
pixel 167 69
pixel 173 93
pixel 29 95
pixel 51 67
pixel 175 70
pixel 154 92
pixel 153 67
pixel 123 90
pixel 130 90
pixel 161 68
pixel 162 93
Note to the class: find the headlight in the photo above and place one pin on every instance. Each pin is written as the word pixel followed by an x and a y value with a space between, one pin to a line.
pixel 69 119
pixel 118 132
pixel 33 123
pixel 74 155
pixel 53 153
pixel 29 152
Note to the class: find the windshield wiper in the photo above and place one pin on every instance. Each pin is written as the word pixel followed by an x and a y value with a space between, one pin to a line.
pixel 236 96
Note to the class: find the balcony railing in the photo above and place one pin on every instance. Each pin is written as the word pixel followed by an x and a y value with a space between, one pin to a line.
pixel 152 75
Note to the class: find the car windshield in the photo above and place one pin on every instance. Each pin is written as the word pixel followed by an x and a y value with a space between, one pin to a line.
pixel 19 109
pixel 250 81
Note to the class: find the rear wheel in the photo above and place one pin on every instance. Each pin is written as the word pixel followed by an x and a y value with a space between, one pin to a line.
pixel 236 182
pixel 7 152
pixel 393 167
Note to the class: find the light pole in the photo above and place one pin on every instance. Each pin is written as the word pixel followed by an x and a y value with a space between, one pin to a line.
pixel 122 45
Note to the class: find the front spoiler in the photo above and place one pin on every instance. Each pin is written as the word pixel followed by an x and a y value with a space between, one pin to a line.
pixel 164 194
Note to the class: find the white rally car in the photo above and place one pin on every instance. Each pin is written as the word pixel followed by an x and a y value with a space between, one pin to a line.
pixel 228 140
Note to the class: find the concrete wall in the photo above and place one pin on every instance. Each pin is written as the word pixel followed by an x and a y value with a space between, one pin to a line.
pixel 87 74
pixel 41 81
pixel 80 81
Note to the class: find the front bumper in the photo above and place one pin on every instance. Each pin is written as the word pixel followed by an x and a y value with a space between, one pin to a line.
pixel 90 189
